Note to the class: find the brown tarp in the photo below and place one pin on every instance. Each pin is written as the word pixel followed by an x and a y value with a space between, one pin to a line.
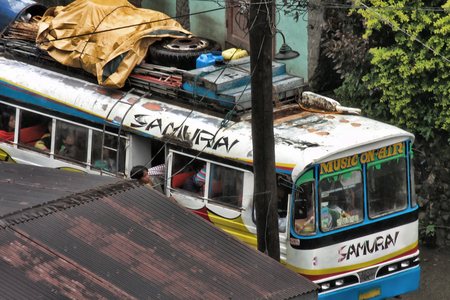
pixel 107 38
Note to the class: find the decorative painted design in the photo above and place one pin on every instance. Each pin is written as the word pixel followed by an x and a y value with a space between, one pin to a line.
pixel 365 157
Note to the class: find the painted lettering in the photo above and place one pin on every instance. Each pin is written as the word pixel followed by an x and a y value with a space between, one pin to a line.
pixel 182 132
pixel 380 243
pixel 344 163
pixel 363 158
pixel 342 254
pixel 153 124
pixel 398 149
pixel 337 164
pixel 326 168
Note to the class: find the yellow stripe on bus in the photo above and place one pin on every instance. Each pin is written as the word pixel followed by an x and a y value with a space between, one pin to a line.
pixel 4 156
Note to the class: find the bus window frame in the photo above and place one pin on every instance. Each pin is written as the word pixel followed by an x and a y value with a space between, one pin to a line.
pixel 408 190
pixel 87 165
pixel 360 169
pixel 203 198
pixel 305 178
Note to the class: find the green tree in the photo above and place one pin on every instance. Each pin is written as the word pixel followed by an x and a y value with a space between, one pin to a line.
pixel 412 79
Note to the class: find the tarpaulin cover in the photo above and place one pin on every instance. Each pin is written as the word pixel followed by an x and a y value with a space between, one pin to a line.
pixel 85 34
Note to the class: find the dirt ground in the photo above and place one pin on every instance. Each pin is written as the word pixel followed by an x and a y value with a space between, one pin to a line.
pixel 434 277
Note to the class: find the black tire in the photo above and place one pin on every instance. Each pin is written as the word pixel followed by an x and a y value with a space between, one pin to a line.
pixel 181 53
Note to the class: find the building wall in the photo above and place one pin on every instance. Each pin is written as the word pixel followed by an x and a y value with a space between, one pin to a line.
pixel 296 35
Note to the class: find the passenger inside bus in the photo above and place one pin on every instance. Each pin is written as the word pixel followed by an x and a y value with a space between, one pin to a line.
pixel 108 163
pixel 196 182
pixel 46 140
pixel 8 121
pixel 70 147
pixel 27 136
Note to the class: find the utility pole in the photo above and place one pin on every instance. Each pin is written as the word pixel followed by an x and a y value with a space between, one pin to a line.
pixel 265 188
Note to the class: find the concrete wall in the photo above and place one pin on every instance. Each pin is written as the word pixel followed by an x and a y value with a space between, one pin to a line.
pixel 296 35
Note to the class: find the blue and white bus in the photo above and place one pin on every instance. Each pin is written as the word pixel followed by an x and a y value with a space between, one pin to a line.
pixel 347 208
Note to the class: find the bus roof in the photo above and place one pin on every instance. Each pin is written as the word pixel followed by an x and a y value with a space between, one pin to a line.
pixel 302 137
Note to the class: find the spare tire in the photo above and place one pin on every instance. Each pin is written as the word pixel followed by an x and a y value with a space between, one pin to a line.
pixel 181 53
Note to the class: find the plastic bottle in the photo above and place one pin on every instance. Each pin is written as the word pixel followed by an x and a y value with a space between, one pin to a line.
pixel 209 59
pixel 234 53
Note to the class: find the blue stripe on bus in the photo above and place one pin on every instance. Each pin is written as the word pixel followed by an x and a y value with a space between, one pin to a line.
pixel 24 95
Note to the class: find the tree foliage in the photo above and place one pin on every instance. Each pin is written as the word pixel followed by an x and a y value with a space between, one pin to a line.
pixel 412 80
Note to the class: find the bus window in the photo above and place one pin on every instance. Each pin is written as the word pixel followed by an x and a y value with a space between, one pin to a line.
pixel 387 187
pixel 340 200
pixel 31 126
pixel 303 209
pixel 109 149
pixel 71 142
pixel 183 168
pixel 226 185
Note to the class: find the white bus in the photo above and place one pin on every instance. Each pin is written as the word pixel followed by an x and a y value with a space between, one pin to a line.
pixel 348 214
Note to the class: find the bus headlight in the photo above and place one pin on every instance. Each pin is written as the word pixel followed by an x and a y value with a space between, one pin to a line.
pixel 405 264
pixel 339 282
pixel 325 286
pixel 392 268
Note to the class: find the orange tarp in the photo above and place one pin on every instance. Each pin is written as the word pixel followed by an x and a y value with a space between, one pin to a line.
pixel 107 38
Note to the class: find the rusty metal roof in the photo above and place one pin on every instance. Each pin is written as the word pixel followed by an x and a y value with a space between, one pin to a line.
pixel 89 237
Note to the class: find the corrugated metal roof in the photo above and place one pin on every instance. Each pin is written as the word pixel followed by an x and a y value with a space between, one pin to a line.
pixel 124 240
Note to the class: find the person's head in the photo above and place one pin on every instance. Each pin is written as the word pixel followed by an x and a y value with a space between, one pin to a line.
pixel 106 153
pixel 8 121
pixel 200 177
pixel 49 126
pixel 69 140
pixel 140 173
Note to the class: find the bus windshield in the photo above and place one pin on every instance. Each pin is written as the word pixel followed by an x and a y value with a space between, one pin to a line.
pixel 387 187
pixel 341 200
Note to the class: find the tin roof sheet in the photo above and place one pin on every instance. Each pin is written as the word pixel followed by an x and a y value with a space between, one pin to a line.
pixel 123 240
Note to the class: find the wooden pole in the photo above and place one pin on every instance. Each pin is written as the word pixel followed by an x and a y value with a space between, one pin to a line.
pixel 265 199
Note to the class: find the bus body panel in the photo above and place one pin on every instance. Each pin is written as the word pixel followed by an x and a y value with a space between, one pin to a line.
pixel 317 137
pixel 355 253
